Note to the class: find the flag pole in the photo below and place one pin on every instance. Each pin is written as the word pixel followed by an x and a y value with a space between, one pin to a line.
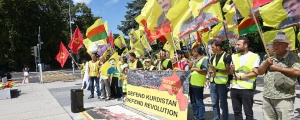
pixel 73 58
pixel 259 30
pixel 175 50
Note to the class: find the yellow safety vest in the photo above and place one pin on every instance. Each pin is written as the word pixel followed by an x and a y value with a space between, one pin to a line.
pixel 219 78
pixel 165 63
pixel 198 79
pixel 133 65
pixel 93 68
pixel 151 68
pixel 243 70
pixel 83 68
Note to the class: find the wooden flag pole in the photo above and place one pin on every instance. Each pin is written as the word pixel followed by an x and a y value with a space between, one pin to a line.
pixel 175 50
pixel 259 30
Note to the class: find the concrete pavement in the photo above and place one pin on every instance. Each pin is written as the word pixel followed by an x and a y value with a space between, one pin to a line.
pixel 33 102
pixel 50 101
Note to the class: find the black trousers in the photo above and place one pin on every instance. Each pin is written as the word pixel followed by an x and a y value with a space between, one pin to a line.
pixel 114 87
pixel 242 98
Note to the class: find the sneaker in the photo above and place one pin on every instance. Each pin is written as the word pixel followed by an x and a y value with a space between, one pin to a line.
pixel 103 97
pixel 90 97
pixel 119 99
pixel 98 97
pixel 107 99
pixel 124 99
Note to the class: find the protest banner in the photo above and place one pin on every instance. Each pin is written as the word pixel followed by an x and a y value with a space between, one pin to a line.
pixel 164 93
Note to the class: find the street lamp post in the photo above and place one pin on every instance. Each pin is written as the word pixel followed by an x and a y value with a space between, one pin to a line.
pixel 73 66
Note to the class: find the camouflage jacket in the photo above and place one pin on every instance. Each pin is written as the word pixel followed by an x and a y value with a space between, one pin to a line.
pixel 290 60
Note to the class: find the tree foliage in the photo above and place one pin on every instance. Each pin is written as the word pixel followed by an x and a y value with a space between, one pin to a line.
pixel 134 9
pixel 20 21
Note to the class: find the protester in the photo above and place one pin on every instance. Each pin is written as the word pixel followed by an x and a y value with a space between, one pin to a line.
pixel 82 67
pixel 123 77
pixel 113 78
pixel 93 69
pixel 197 80
pixel 135 64
pixel 244 70
pixel 26 74
pixel 281 71
pixel 181 63
pixel 165 63
pixel 148 65
pixel 219 71
pixel 105 84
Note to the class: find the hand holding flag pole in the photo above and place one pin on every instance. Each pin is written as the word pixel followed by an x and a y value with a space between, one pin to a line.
pixel 73 58
pixel 259 30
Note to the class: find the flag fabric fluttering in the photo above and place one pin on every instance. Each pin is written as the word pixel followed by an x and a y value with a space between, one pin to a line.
pixel 92 47
pixel 107 65
pixel 289 32
pixel 97 31
pixel 120 42
pixel 275 15
pixel 248 26
pixel 258 3
pixel 62 55
pixel 111 39
pixel 76 42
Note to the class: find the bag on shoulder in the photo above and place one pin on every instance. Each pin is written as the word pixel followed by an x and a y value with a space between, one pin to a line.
pixel 283 82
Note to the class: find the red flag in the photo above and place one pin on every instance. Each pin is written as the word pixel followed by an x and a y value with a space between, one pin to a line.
pixel 258 3
pixel 76 41
pixel 199 37
pixel 62 55
pixel 111 39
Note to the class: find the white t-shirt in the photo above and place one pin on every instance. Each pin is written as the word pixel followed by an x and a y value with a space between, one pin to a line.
pixel 243 59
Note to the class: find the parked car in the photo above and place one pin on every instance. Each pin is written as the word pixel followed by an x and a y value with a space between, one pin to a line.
pixel 5 74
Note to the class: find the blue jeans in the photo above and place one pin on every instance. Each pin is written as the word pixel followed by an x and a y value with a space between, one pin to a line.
pixel 196 96
pixel 218 94
pixel 92 80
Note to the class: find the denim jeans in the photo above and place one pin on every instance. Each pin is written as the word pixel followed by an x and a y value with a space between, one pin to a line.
pixel 196 96
pixel 92 80
pixel 218 94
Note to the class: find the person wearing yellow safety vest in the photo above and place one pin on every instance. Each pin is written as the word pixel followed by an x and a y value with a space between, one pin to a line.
pixel 219 71
pixel 148 65
pixel 82 67
pixel 135 64
pixel 93 71
pixel 198 70
pixel 281 71
pixel 165 63
pixel 104 83
pixel 244 71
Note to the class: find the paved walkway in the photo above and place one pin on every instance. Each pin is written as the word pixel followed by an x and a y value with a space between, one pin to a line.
pixel 34 102
pixel 51 101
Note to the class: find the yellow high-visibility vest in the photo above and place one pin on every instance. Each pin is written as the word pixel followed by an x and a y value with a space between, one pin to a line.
pixel 219 78
pixel 198 79
pixel 243 70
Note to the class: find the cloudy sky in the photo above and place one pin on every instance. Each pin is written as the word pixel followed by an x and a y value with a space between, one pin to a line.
pixel 111 10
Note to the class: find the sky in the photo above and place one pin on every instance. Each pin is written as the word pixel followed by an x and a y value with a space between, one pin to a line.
pixel 111 10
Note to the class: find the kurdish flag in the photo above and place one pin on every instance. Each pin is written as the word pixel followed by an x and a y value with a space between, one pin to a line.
pixel 96 31
pixel 248 25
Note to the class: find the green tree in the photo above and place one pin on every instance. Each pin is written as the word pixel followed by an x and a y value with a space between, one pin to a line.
pixel 20 20
pixel 134 9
